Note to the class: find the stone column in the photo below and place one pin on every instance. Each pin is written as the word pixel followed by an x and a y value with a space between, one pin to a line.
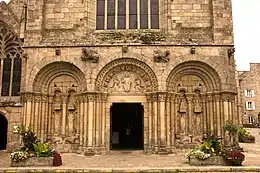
pixel 168 122
pixel 189 114
pixel 162 123
pixel 218 115
pixel 50 119
pixel 29 97
pixel 85 120
pixel 90 149
pixel 149 101
pixel 37 115
pixel 81 121
pixel 172 121
pixel 64 114
pixel 204 114
pixel 210 114
pixel 155 123
pixel 103 123
pixel 98 124
pixel 225 106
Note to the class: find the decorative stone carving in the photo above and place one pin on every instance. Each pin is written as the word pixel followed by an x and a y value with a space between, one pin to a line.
pixel 231 51
pixel 130 65
pixel 161 56
pixel 197 102
pixel 192 50
pixel 89 55
pixel 126 82
pixel 183 103
pixel 57 101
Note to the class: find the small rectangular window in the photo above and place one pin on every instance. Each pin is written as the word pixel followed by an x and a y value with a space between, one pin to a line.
pixel 250 120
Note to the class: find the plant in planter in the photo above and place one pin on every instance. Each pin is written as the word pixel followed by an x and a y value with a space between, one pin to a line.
pixel 234 157
pixel 244 136
pixel 33 152
pixel 208 153
pixel 19 155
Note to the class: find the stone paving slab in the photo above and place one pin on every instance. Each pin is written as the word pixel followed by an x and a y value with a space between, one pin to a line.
pixel 135 170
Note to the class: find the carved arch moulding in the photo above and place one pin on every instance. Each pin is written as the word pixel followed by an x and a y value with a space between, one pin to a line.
pixel 128 76
pixel 58 72
pixel 200 71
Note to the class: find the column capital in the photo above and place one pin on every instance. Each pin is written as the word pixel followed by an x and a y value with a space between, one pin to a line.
pixel 162 96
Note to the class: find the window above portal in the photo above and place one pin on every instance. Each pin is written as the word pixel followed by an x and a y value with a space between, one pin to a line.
pixel 127 14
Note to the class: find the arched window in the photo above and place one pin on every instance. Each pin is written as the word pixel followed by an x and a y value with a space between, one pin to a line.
pixel 10 62
pixel 127 14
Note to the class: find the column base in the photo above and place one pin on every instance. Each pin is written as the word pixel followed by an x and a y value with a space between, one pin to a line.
pixel 162 150
pixel 89 152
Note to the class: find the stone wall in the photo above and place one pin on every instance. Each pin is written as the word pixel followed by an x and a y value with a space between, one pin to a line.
pixel 250 80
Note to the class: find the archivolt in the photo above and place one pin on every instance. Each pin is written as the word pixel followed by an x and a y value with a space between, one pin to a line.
pixel 127 64
pixel 207 74
pixel 53 70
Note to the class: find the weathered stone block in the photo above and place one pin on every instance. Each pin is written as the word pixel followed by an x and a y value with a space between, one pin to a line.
pixel 34 161
pixel 213 160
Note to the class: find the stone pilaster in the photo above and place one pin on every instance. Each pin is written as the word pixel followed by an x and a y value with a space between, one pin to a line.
pixel 218 115
pixel 155 123
pixel 149 102
pixel 90 149
pixel 103 123
pixel 162 123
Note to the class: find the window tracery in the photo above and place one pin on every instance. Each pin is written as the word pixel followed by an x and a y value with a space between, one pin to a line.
pixel 10 61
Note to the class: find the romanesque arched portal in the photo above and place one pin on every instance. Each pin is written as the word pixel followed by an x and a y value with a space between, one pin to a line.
pixel 197 106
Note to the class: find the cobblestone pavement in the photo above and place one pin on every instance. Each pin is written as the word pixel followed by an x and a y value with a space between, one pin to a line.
pixel 120 159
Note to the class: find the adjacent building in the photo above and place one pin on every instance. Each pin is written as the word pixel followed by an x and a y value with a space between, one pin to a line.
pixel 90 76
pixel 250 93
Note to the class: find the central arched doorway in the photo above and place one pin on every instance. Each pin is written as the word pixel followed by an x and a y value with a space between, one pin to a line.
pixel 3 132
pixel 126 127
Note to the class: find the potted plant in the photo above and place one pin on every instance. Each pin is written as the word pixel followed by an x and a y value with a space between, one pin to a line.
pixel 208 153
pixel 33 152
pixel 244 136
pixel 234 157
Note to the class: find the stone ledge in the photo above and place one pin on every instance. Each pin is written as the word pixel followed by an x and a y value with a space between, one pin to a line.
pixel 194 169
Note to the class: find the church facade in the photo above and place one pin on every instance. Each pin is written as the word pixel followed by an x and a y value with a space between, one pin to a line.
pixel 93 76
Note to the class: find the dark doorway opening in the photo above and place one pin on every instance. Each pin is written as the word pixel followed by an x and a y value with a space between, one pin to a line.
pixel 126 126
pixel 3 132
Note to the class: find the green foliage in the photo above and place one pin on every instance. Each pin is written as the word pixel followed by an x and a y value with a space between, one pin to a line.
pixel 245 136
pixel 42 149
pixel 231 128
pixel 28 137
pixel 208 148
pixel 211 145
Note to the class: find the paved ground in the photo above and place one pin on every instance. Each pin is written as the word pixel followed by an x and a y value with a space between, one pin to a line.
pixel 136 160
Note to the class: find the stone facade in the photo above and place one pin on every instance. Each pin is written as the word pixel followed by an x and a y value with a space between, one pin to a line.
pixel 182 73
pixel 249 90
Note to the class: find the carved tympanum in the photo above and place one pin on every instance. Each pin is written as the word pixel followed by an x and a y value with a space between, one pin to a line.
pixel 161 56
pixel 126 82
pixel 89 55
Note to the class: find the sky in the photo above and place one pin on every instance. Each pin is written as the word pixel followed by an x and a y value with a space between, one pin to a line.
pixel 246 21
